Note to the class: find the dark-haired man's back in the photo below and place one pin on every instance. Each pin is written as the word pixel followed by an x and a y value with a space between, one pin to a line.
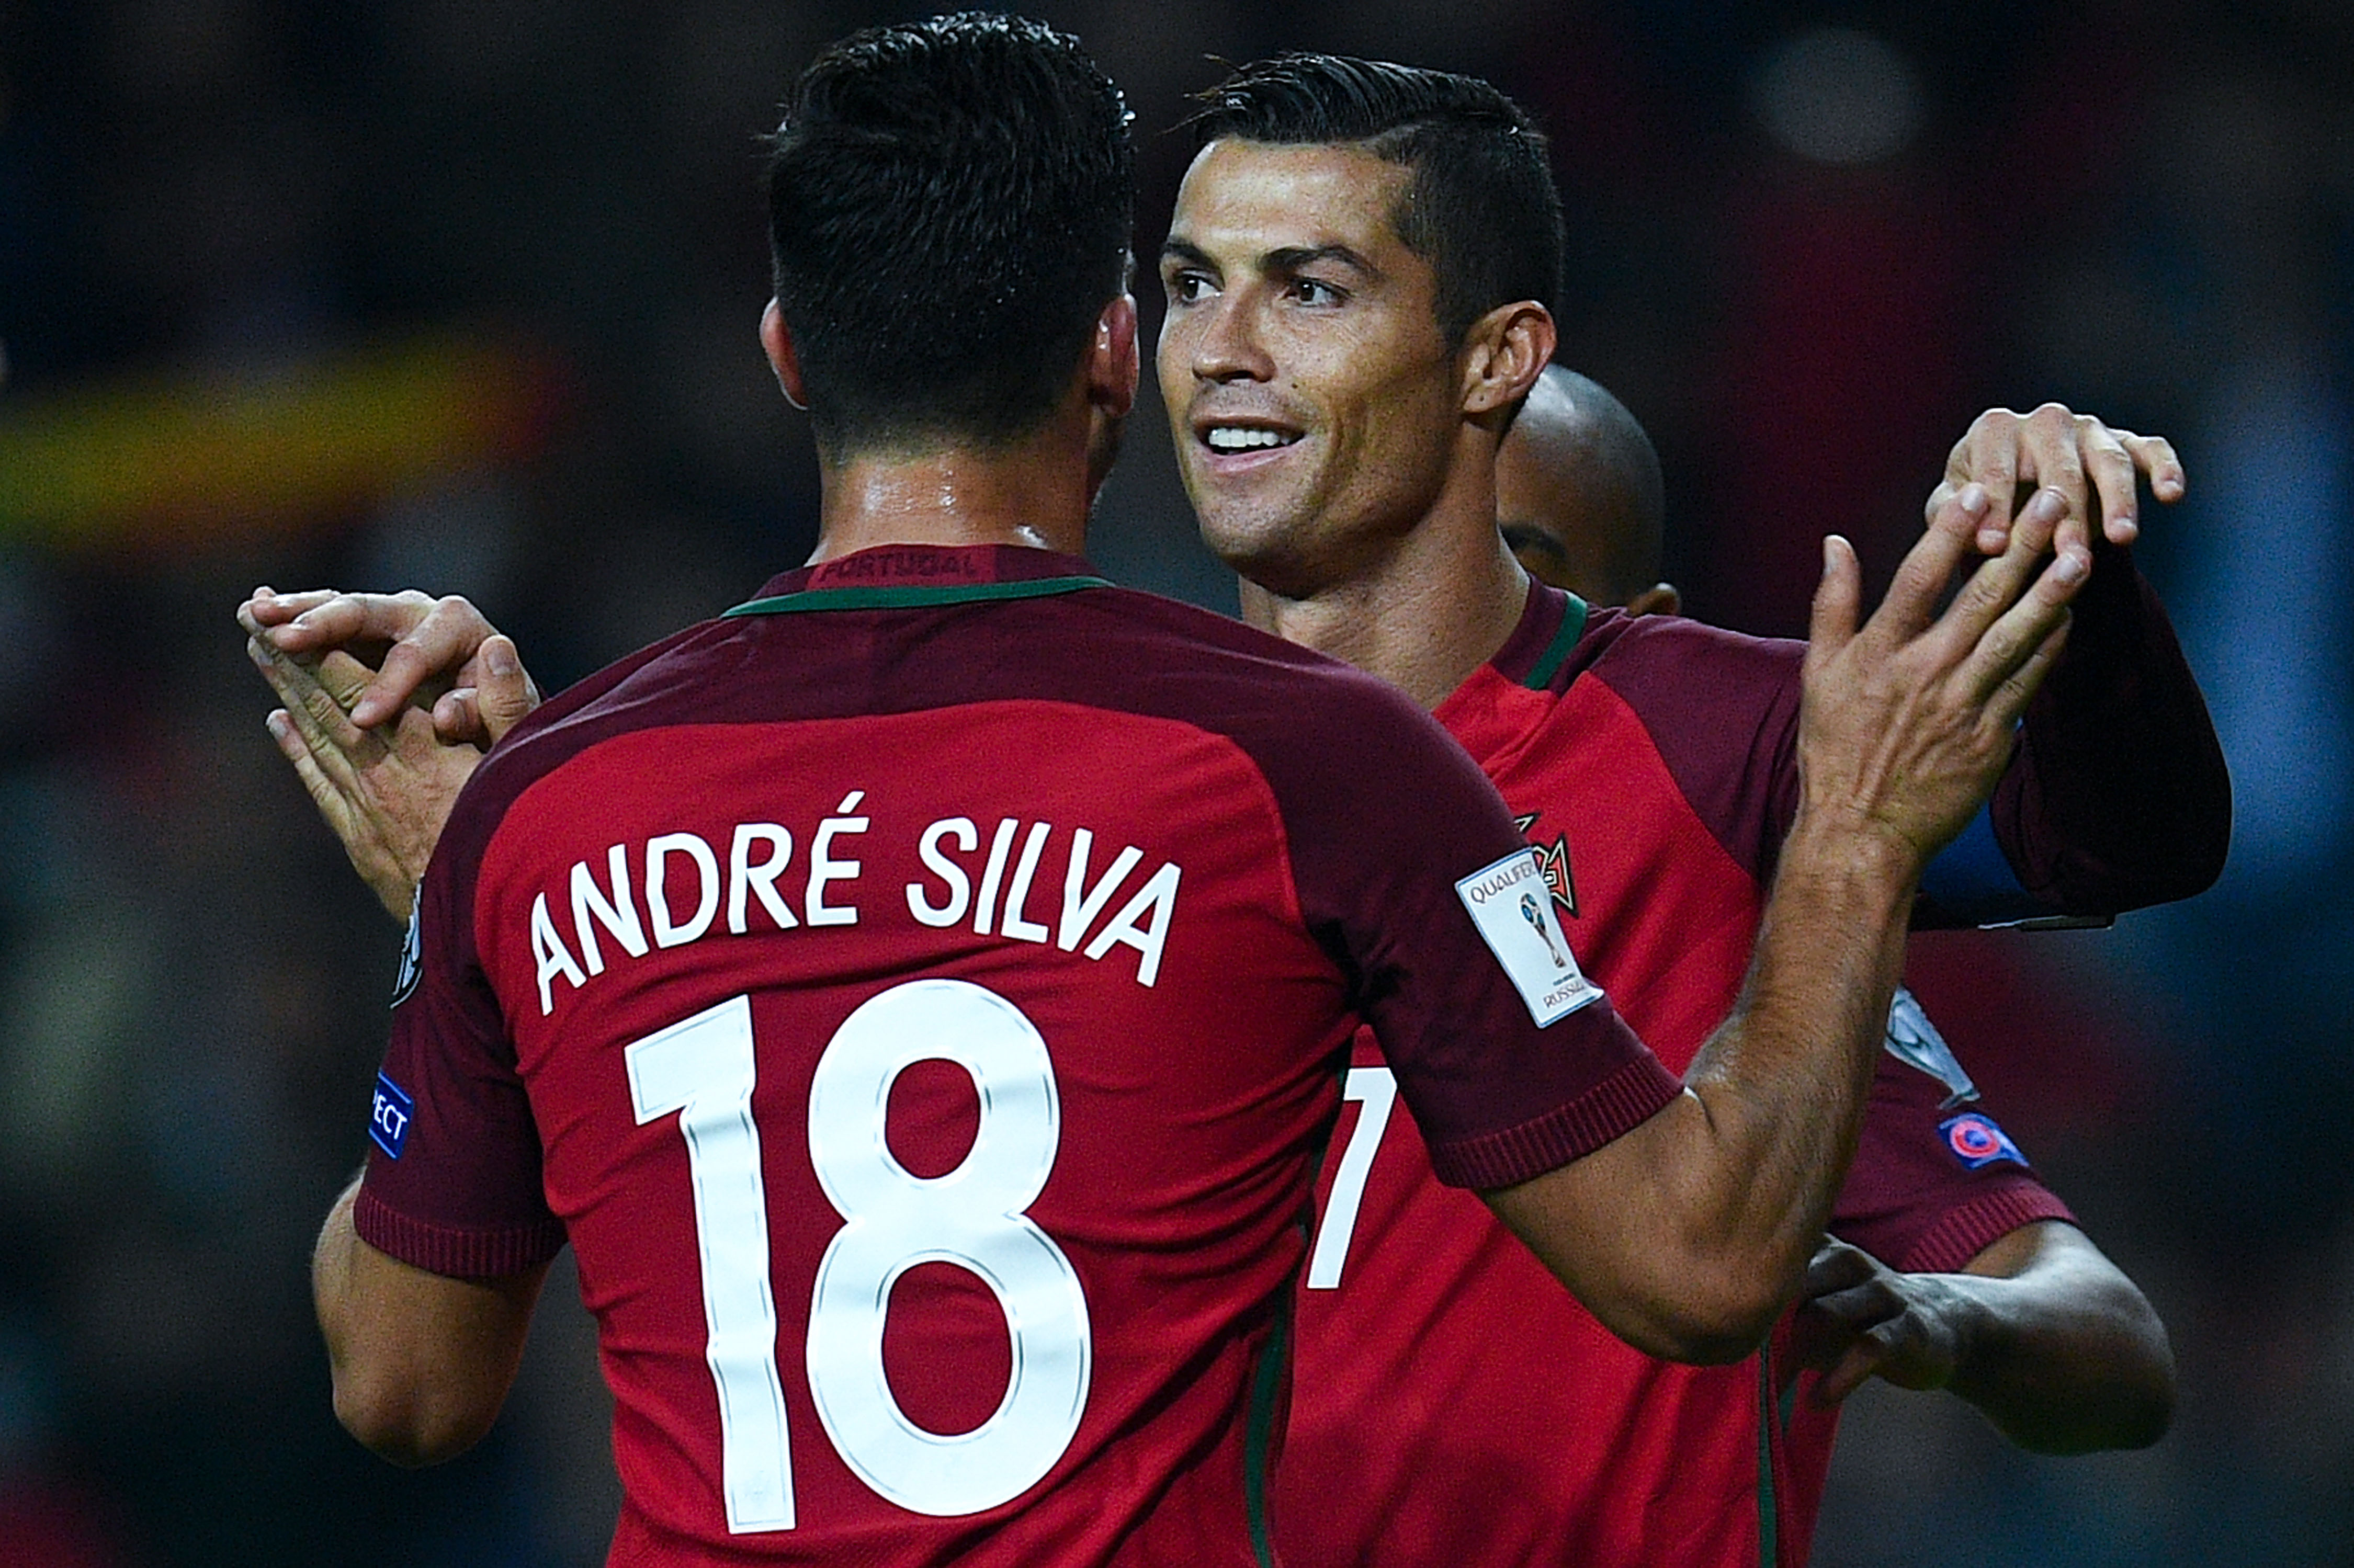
pixel 742 932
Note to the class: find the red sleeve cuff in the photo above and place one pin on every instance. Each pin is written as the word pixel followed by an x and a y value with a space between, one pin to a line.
pixel 1620 1103
pixel 1963 1233
pixel 461 1254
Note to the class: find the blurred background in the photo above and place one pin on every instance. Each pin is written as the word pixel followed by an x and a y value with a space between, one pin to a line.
pixel 461 294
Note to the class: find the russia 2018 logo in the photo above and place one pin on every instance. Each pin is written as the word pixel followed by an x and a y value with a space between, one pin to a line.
pixel 1976 1141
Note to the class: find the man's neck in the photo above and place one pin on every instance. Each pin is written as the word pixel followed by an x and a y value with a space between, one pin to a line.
pixel 1422 617
pixel 1033 493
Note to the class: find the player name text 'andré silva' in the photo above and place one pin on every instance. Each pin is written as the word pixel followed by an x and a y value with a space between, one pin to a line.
pixel 1007 891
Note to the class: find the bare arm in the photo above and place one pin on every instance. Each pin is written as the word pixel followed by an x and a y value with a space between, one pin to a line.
pixel 422 1361
pixel 1688 1235
pixel 2040 1332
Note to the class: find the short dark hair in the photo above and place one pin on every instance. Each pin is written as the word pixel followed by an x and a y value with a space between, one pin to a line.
pixel 1480 206
pixel 950 204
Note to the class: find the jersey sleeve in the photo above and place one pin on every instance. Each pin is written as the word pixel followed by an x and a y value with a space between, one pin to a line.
pixel 1936 1178
pixel 1410 871
pixel 453 1174
pixel 2118 796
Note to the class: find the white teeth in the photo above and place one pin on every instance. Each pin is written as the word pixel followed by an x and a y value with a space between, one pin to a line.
pixel 1234 438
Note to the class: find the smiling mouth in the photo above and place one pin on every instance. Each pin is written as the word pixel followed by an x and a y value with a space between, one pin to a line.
pixel 1226 438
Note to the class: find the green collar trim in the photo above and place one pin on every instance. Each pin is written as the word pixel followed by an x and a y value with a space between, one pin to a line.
pixel 911 598
pixel 1556 652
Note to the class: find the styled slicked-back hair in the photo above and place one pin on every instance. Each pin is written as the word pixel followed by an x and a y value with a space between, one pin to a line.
pixel 1480 206
pixel 950 204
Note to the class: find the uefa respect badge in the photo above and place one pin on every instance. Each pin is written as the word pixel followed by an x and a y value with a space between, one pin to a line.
pixel 1512 906
pixel 1976 1141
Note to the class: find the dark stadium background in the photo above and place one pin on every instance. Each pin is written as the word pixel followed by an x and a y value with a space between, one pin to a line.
pixel 461 292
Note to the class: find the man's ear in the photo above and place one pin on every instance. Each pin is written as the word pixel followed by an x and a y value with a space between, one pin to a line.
pixel 1112 364
pixel 1504 353
pixel 778 339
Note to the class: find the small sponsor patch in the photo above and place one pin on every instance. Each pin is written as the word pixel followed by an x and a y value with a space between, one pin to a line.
pixel 1976 1141
pixel 1914 1041
pixel 389 1117
pixel 412 950
pixel 1512 905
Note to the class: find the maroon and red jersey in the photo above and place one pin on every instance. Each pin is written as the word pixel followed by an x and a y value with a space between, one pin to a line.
pixel 1453 1404
pixel 920 998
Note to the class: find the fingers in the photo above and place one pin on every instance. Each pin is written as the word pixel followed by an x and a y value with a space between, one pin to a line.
pixel 2154 455
pixel 2111 468
pixel 1854 1367
pixel 1831 624
pixel 1921 578
pixel 2093 469
pixel 265 608
pixel 340 619
pixel 317 719
pixel 341 677
pixel 434 645
pixel 506 692
pixel 1988 455
pixel 1837 1267
pixel 322 790
pixel 2008 705
pixel 1997 587
pixel 2013 654
pixel 2053 456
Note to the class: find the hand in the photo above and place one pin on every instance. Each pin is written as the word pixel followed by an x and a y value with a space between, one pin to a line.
pixel 1857 1318
pixel 443 650
pixel 1906 725
pixel 386 793
pixel 2005 452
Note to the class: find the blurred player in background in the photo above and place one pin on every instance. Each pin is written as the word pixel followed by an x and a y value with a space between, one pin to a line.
pixel 1580 497
pixel 1357 252
pixel 2037 1328
pixel 583 1050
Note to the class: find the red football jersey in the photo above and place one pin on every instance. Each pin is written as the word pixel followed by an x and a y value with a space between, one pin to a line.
pixel 1453 1404
pixel 919 999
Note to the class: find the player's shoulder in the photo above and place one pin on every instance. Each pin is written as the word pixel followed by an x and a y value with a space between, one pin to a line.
pixel 563 725
pixel 1639 649
pixel 1238 672
pixel 1681 676
pixel 1336 746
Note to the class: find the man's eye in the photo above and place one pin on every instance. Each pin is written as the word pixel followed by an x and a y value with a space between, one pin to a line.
pixel 1312 291
pixel 1186 288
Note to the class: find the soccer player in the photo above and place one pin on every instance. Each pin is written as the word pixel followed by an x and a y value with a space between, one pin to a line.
pixel 1355 273
pixel 698 932
pixel 2037 1326
pixel 1580 497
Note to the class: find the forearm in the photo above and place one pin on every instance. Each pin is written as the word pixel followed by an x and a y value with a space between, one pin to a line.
pixel 1782 1081
pixel 1688 1235
pixel 422 1362
pixel 2066 1355
pixel 2118 796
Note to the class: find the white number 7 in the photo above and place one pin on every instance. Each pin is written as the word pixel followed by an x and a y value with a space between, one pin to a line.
pixel 1376 1089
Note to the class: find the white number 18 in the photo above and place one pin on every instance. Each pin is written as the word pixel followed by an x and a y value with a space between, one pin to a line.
pixel 703 1069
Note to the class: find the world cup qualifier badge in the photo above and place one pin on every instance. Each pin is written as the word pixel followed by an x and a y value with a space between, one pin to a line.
pixel 1976 1141
pixel 412 953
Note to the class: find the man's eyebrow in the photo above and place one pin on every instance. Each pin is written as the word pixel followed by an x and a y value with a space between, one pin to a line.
pixel 1292 257
pixel 1175 249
